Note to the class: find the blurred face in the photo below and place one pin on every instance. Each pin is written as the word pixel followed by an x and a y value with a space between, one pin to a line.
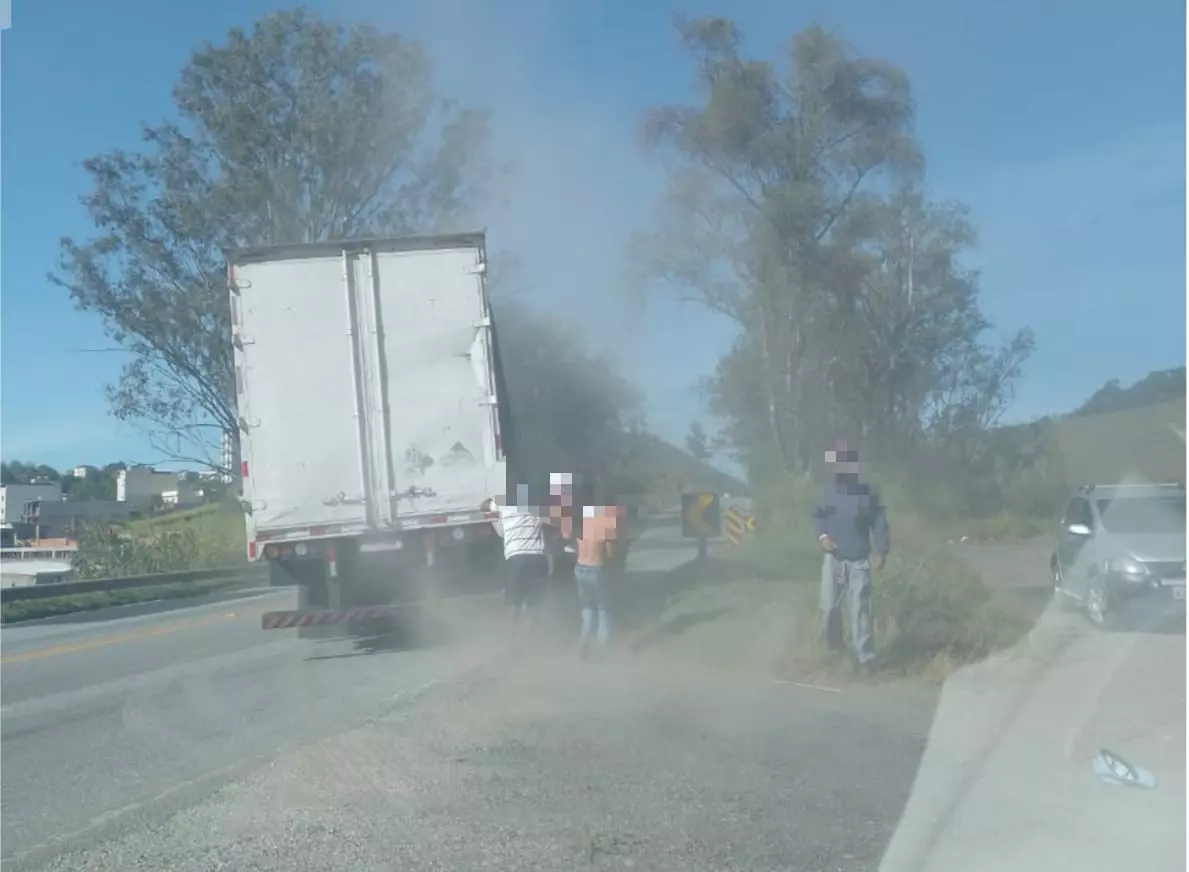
pixel 843 460
pixel 561 495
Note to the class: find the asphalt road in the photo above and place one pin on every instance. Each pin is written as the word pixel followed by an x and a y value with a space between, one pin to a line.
pixel 189 739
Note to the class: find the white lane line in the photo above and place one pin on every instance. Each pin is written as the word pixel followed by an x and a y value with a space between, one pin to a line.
pixel 820 687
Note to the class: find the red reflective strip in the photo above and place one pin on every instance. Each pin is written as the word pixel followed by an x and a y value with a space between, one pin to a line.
pixel 252 550
pixel 243 468
pixel 317 531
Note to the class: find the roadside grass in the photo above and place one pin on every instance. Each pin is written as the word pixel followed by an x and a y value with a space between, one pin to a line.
pixel 755 609
pixel 219 527
pixel 27 610
pixel 204 538
pixel 1003 527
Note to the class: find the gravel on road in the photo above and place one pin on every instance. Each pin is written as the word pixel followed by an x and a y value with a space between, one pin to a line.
pixel 545 763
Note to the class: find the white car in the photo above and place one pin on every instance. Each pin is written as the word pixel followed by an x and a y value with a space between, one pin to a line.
pixel 1121 552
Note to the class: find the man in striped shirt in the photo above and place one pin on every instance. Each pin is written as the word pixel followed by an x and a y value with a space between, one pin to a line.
pixel 523 528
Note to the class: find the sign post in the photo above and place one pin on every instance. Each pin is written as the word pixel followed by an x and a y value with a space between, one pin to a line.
pixel 701 518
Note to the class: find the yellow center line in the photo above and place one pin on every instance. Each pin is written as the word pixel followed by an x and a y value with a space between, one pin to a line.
pixel 117 640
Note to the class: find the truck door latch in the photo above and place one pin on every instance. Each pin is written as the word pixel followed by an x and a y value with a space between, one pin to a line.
pixel 413 492
pixel 341 499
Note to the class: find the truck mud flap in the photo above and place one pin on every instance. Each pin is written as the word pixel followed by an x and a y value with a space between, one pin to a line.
pixel 303 619
pixel 323 617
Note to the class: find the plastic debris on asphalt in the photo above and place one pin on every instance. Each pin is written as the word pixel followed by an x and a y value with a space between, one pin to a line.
pixel 1113 769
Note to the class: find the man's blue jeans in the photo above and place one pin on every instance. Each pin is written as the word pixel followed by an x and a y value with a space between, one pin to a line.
pixel 592 596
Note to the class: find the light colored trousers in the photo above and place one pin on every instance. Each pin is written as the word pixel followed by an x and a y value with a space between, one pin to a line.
pixel 840 577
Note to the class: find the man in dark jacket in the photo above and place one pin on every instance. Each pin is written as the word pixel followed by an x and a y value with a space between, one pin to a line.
pixel 850 520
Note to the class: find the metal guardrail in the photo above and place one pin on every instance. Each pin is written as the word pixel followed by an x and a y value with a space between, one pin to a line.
pixel 249 572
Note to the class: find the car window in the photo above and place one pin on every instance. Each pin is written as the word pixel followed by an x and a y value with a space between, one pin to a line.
pixel 1078 512
pixel 1071 513
pixel 1136 515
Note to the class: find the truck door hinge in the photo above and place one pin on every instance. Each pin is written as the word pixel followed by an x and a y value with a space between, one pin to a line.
pixel 239 340
pixel 246 425
pixel 485 321
pixel 477 270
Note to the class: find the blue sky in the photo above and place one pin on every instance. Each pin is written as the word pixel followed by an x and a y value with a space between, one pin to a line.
pixel 1060 123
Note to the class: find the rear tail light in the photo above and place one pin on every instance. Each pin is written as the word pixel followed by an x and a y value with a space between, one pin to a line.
pixel 243 468
pixel 252 550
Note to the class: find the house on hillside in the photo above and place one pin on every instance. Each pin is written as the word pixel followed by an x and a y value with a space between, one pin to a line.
pixel 14 496
pixel 144 486
pixel 64 519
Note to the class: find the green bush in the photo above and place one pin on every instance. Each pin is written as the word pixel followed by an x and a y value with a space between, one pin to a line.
pixel 27 610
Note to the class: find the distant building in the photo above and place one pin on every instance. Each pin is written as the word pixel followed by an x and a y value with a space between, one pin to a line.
pixel 142 484
pixel 27 573
pixel 186 494
pixel 64 519
pixel 81 471
pixel 14 496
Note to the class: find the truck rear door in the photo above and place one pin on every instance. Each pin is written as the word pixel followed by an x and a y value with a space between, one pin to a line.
pixel 443 418
pixel 292 324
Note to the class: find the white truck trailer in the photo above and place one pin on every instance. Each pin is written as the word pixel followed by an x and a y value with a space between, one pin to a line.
pixel 369 393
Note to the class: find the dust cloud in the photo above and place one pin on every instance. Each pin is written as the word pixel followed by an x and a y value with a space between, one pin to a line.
pixel 579 184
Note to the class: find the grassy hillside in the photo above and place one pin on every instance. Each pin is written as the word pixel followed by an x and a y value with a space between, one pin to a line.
pixel 1146 443
pixel 1121 433
pixel 207 537
pixel 208 523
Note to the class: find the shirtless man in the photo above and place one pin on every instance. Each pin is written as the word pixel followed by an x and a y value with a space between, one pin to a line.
pixel 596 537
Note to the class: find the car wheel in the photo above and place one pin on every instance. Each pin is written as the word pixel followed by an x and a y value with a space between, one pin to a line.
pixel 1099 608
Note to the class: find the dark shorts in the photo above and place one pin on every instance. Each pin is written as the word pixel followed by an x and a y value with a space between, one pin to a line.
pixel 528 574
